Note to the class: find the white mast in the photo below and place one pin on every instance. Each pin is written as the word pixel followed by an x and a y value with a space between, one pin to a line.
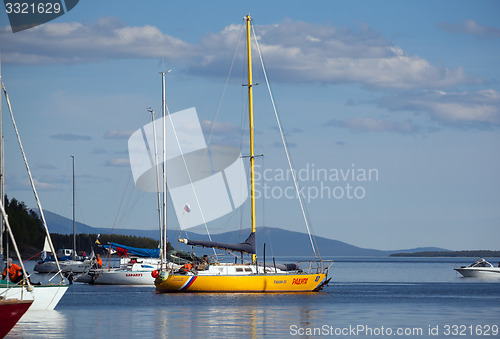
pixel 158 179
pixel 74 228
pixel 164 178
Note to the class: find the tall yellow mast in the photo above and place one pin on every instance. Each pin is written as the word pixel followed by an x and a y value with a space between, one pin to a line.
pixel 250 113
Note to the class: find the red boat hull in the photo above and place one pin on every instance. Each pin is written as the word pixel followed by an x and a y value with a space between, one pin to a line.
pixel 10 312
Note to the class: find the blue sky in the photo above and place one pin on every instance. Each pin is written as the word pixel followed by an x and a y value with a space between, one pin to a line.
pixel 408 90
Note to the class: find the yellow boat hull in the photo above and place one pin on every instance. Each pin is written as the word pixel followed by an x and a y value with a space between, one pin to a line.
pixel 256 283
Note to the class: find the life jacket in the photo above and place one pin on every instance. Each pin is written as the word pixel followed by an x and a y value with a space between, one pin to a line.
pixel 14 272
pixel 187 267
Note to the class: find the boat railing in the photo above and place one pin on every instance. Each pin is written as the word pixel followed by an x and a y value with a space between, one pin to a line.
pixel 316 266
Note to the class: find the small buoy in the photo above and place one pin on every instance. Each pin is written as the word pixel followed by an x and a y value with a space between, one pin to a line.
pixel 155 274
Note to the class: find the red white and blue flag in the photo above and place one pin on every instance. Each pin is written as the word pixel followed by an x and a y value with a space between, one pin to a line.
pixel 187 208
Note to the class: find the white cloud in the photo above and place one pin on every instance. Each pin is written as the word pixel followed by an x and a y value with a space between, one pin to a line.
pixel 14 183
pixel 118 162
pixel 367 124
pixel 471 27
pixel 219 132
pixel 302 52
pixel 117 134
pixel 293 51
pixel 480 109
pixel 70 137
pixel 107 38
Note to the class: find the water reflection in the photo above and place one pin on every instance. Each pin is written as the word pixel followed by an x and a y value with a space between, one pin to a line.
pixel 48 324
pixel 230 316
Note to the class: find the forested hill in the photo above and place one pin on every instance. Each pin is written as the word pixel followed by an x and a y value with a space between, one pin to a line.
pixel 475 253
pixel 26 226
pixel 30 235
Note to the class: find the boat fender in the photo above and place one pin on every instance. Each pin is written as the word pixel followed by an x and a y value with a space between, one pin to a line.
pixel 155 274
pixel 163 275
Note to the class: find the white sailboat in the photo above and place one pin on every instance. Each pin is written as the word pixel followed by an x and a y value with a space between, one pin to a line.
pixel 135 268
pixel 12 305
pixel 11 309
pixel 45 297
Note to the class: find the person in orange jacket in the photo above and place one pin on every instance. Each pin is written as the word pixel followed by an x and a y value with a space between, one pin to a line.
pixel 14 271
pixel 99 261
pixel 187 267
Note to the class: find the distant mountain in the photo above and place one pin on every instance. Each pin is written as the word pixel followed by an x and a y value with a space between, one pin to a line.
pixel 279 242
pixel 62 225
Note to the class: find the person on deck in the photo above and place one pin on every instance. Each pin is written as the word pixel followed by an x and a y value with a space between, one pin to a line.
pixel 204 263
pixel 14 271
pixel 99 261
pixel 187 267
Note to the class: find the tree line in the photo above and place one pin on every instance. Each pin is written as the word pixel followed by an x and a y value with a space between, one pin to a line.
pixel 29 233
pixel 473 253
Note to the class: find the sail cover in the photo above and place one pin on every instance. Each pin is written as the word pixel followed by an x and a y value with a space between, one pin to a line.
pixel 248 246
pixel 204 182
pixel 140 252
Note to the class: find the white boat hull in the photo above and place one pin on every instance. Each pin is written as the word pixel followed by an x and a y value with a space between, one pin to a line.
pixel 117 277
pixel 66 266
pixel 479 272
pixel 132 271
pixel 45 297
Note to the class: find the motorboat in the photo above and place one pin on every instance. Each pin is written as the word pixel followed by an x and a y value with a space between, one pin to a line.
pixel 68 262
pixel 480 269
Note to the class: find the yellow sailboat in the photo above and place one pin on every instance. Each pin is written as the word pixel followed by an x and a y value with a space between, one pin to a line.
pixel 243 278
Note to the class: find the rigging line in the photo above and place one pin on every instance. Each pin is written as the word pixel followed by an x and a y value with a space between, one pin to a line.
pixel 215 119
pixel 189 176
pixel 294 176
pixel 212 127
pixel 31 180
pixel 264 212
pixel 14 243
pixel 115 222
pixel 157 170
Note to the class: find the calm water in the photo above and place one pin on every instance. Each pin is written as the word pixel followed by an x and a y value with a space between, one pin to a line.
pixel 368 297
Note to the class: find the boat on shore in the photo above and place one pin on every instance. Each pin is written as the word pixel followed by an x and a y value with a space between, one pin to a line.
pixel 479 269
pixel 246 276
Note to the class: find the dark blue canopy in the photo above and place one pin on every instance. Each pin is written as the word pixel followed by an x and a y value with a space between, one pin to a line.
pixel 140 252
pixel 248 246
